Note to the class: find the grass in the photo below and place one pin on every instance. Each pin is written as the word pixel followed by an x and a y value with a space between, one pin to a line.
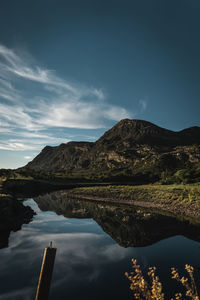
pixel 185 193
pixel 14 175
pixel 179 199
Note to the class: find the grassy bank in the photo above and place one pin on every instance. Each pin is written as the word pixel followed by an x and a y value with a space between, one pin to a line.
pixel 178 199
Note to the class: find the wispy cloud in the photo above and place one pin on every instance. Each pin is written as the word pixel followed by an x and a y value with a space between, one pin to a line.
pixel 28 141
pixel 16 146
pixel 34 99
pixel 143 104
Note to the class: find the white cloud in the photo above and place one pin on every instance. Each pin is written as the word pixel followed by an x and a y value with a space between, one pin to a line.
pixel 23 142
pixel 98 93
pixel 17 146
pixel 80 114
pixel 115 113
pixel 16 116
pixel 51 102
pixel 27 157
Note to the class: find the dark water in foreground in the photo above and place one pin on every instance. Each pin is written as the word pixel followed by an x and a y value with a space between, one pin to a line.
pixel 91 262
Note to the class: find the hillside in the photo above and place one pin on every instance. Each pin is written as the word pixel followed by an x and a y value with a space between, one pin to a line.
pixel 134 149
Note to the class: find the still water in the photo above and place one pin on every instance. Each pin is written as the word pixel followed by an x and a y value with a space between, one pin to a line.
pixel 95 244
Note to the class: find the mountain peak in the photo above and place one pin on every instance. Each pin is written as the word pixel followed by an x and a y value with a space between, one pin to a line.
pixel 138 131
pixel 134 122
pixel 138 125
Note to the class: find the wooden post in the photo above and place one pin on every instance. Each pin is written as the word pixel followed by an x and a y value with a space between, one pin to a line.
pixel 46 273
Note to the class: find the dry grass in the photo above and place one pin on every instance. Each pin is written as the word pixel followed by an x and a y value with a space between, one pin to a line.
pixel 152 290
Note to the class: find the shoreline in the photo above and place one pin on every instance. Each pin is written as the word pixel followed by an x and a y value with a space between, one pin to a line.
pixel 183 202
pixel 178 200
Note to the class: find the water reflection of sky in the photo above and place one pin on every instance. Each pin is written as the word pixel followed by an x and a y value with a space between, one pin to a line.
pixel 89 264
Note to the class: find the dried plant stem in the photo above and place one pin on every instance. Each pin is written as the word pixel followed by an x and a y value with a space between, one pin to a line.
pixel 153 290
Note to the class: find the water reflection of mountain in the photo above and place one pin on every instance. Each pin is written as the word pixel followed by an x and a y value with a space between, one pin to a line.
pixel 12 215
pixel 128 226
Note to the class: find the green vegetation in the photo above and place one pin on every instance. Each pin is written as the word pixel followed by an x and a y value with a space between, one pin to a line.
pixel 189 174
pixel 27 174
pixel 178 199
pixel 14 174
pixel 149 192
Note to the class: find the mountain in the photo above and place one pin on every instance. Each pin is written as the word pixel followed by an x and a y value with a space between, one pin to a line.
pixel 134 149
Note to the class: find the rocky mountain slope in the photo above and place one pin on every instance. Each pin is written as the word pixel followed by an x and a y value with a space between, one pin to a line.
pixel 135 149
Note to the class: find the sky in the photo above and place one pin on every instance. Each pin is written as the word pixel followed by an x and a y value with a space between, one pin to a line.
pixel 71 69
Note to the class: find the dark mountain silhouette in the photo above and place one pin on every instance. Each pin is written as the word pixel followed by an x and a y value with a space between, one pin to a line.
pixel 132 148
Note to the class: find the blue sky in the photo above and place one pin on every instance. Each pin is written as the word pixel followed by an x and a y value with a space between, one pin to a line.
pixel 69 70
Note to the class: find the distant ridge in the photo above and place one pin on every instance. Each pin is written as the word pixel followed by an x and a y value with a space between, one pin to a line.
pixel 131 148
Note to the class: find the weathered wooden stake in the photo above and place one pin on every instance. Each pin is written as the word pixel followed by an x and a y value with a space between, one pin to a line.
pixel 46 273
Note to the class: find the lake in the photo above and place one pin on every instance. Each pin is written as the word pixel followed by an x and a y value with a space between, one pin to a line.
pixel 95 244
